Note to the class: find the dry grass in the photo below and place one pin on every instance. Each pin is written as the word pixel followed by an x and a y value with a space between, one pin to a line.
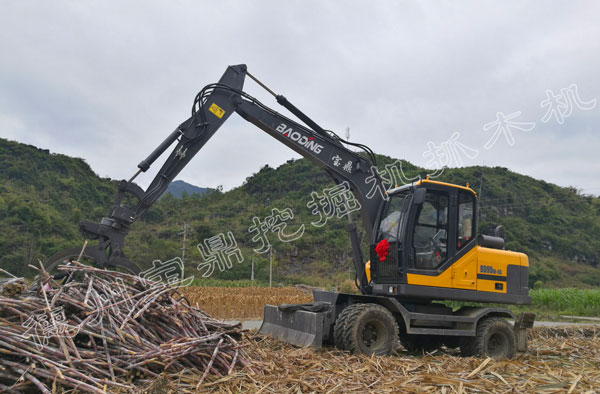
pixel 559 361
pixel 242 302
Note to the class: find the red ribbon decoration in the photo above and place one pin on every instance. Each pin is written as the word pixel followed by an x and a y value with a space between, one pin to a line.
pixel 382 249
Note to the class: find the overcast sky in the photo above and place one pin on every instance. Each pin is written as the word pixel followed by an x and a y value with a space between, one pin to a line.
pixel 109 80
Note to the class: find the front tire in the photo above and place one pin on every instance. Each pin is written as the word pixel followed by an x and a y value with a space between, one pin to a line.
pixel 495 338
pixel 370 329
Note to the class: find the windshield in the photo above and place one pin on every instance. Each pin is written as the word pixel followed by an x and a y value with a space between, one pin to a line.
pixel 393 216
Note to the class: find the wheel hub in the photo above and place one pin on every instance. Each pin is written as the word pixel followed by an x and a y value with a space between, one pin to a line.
pixel 496 345
pixel 372 335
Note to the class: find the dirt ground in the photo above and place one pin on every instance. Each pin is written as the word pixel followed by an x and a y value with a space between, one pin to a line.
pixel 558 361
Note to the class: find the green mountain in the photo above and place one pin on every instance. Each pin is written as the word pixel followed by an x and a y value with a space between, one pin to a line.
pixel 43 196
pixel 178 188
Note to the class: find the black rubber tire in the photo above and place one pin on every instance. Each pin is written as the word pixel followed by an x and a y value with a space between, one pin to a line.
pixel 495 338
pixel 339 327
pixel 419 344
pixel 370 329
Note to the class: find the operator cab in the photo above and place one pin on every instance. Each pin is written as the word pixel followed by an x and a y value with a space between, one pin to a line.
pixel 429 229
pixel 426 224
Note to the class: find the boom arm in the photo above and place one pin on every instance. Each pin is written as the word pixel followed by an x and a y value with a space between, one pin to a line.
pixel 212 107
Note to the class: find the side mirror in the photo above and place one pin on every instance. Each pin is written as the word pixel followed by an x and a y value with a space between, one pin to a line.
pixel 419 196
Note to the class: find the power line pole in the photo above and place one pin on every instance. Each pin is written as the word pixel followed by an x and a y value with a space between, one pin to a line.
pixel 481 184
pixel 185 231
pixel 271 267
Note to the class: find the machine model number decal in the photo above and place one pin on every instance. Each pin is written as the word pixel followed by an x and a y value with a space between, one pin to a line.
pixel 307 142
pixel 218 111
pixel 488 269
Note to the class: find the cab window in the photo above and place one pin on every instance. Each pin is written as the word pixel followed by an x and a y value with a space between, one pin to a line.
pixel 466 205
pixel 430 238
pixel 392 218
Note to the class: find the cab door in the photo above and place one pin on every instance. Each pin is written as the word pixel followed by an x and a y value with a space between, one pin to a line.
pixel 387 269
pixel 464 269
pixel 430 232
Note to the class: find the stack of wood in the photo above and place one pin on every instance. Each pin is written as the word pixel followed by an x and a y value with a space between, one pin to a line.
pixel 108 331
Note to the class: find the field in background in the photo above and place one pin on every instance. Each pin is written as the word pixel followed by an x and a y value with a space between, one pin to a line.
pixel 242 302
pixel 551 304
pixel 579 302
pixel 236 300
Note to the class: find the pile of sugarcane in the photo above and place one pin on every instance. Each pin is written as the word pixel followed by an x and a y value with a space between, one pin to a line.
pixel 11 287
pixel 107 331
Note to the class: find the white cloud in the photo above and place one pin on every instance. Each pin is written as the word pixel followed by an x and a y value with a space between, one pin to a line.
pixel 108 80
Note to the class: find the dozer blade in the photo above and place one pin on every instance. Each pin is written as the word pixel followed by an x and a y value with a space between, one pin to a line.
pixel 300 325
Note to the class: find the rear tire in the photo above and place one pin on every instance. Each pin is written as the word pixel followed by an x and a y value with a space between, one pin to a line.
pixel 370 329
pixel 495 338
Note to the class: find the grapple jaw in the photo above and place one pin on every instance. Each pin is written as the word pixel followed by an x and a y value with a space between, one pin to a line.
pixel 301 325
